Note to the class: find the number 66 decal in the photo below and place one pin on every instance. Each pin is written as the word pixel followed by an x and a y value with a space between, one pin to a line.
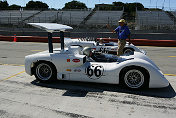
pixel 94 71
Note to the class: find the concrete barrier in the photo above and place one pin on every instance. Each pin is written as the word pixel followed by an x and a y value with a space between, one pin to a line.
pixel 147 42
pixel 6 38
pixel 29 39
pixel 138 42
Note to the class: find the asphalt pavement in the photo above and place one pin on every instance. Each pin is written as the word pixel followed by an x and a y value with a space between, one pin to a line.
pixel 21 96
pixel 14 53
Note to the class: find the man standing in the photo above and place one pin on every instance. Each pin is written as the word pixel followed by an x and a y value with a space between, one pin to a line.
pixel 123 33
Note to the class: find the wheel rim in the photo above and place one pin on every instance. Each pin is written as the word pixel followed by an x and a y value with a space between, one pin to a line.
pixel 44 71
pixel 134 78
pixel 128 51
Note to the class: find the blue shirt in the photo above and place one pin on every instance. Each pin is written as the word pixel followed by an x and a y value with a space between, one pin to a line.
pixel 122 32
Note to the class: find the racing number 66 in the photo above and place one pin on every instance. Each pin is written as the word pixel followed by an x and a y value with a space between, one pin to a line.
pixel 97 71
pixel 94 70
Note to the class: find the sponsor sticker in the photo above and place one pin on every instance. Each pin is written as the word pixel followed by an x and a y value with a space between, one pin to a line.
pixel 77 70
pixel 68 70
pixel 76 60
pixel 68 60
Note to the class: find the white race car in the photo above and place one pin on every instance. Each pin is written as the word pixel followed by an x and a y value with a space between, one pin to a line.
pixel 133 70
pixel 110 48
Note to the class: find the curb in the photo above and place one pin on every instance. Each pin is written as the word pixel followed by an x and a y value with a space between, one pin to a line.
pixel 137 42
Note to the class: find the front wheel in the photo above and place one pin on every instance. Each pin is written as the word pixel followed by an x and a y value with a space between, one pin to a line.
pixel 135 78
pixel 45 72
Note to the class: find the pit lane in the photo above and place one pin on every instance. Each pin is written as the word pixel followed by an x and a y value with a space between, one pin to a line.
pixel 22 96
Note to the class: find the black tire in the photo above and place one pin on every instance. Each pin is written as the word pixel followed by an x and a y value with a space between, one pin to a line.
pixel 134 77
pixel 45 72
pixel 128 50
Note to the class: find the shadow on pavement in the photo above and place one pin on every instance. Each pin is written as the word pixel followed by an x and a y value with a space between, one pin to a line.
pixel 80 89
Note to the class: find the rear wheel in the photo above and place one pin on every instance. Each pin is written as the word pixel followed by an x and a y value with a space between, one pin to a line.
pixel 135 78
pixel 128 50
pixel 45 72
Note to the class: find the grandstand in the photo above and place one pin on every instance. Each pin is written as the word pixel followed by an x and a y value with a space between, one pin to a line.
pixel 153 19
pixel 105 17
pixel 15 16
pixel 144 19
pixel 174 13
pixel 43 17
pixel 75 17
pixel 72 17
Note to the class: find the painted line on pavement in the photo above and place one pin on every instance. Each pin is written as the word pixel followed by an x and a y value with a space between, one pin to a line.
pixel 36 50
pixel 170 74
pixel 171 56
pixel 12 76
pixel 156 46
pixel 11 64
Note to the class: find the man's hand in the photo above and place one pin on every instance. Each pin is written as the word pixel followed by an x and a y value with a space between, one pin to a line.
pixel 113 31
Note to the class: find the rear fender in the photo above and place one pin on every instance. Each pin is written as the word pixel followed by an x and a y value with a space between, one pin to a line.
pixel 156 79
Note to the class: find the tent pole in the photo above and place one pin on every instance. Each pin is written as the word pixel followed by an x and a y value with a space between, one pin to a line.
pixel 50 44
pixel 62 39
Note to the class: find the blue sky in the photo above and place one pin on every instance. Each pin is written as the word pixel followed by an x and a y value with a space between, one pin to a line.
pixel 91 3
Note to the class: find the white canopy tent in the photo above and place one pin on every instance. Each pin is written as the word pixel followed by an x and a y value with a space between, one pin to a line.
pixel 50 28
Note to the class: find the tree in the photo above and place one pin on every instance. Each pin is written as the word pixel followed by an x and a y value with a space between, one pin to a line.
pixel 128 7
pixel 3 4
pixel 36 5
pixel 131 7
pixel 14 7
pixel 74 5
pixel 108 7
pixel 118 4
pixel 140 6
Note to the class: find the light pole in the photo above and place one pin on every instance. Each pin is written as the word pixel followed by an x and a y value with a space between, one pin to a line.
pixel 61 16
pixel 156 4
pixel 57 17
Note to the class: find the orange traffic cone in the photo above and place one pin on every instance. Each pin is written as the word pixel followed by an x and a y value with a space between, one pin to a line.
pixel 14 39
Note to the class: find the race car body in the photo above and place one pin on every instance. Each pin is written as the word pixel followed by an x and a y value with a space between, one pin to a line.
pixel 133 70
pixel 110 47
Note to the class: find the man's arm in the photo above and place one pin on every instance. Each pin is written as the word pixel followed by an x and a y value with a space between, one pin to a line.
pixel 127 32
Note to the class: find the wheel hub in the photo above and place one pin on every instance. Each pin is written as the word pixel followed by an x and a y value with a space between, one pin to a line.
pixel 44 71
pixel 134 78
